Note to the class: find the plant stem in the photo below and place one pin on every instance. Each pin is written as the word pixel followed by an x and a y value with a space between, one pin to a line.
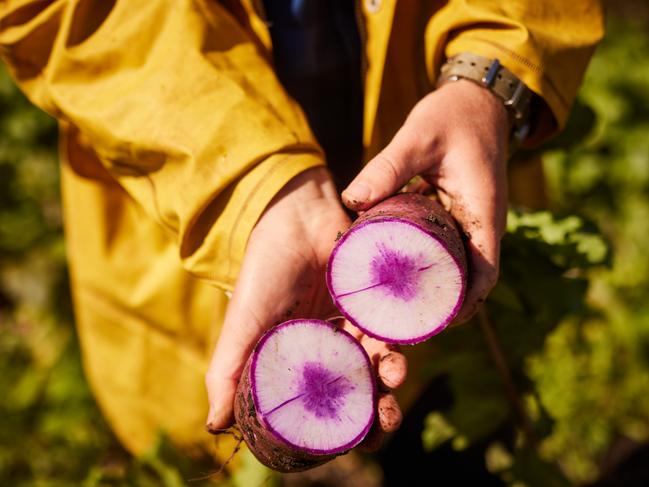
pixel 498 357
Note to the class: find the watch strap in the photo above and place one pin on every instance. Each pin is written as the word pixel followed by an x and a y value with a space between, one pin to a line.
pixel 503 83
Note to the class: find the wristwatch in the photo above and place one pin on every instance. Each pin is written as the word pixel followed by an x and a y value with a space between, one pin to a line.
pixel 503 83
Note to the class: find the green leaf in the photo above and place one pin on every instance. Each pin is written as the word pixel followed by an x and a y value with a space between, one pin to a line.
pixel 437 431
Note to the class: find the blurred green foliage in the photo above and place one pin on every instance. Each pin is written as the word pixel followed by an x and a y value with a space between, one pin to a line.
pixel 543 280
pixel 571 309
pixel 572 317
pixel 604 354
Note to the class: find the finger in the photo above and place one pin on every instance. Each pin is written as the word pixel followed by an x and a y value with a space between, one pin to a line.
pixel 356 333
pixel 389 413
pixel 392 369
pixel 480 210
pixel 484 256
pixel 389 364
pixel 483 277
pixel 388 420
pixel 391 169
pixel 240 332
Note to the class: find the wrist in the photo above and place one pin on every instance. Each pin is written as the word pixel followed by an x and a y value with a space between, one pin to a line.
pixel 480 103
pixel 314 184
pixel 302 204
pixel 492 76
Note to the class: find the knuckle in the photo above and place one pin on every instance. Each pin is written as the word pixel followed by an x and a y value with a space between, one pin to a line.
pixel 390 415
pixel 393 370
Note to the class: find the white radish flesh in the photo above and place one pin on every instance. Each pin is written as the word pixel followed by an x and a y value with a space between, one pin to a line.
pixel 399 273
pixel 307 395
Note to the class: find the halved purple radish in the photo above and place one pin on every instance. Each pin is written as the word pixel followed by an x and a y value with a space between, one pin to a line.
pixel 399 272
pixel 307 395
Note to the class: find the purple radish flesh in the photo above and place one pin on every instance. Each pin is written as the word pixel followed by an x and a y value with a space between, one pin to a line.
pixel 307 395
pixel 399 272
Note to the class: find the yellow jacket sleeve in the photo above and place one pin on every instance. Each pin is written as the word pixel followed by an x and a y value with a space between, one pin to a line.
pixel 546 43
pixel 178 102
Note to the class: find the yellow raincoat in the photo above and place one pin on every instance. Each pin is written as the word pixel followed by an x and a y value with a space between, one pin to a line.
pixel 175 134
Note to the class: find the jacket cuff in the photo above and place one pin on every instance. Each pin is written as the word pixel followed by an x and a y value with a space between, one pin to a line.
pixel 559 98
pixel 547 46
pixel 217 258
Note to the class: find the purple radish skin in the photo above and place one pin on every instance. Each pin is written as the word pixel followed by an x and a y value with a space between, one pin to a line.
pixel 399 272
pixel 307 394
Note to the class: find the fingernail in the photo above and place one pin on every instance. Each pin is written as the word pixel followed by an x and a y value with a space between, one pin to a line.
pixel 357 193
pixel 210 416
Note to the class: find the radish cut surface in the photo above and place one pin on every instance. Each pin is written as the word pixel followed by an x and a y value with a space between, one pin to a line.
pixel 399 271
pixel 310 395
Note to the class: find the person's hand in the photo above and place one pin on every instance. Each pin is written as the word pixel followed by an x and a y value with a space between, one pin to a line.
pixel 456 140
pixel 283 277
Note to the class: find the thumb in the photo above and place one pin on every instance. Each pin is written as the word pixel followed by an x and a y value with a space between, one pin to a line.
pixel 238 336
pixel 387 173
